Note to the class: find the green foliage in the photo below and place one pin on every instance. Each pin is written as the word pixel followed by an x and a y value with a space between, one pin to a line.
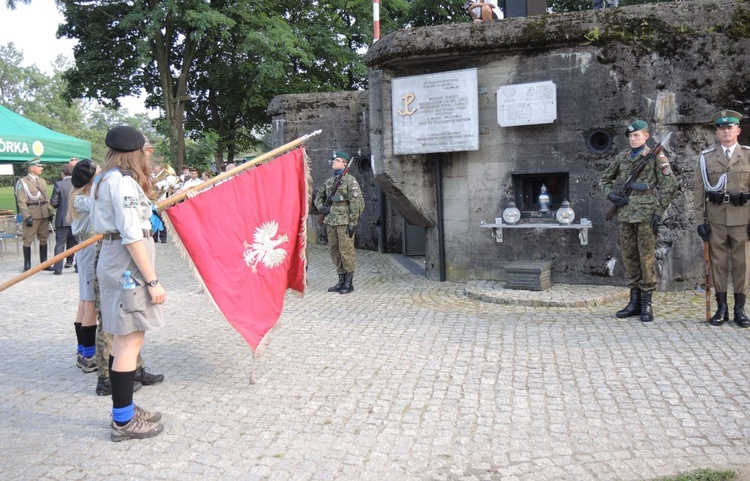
pixel 701 475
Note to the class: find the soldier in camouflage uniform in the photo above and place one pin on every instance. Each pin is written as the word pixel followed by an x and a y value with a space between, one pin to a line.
pixel 722 190
pixel 639 216
pixel 341 218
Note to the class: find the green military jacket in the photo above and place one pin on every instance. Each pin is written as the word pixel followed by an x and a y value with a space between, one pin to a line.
pixel 32 198
pixel 659 177
pixel 738 181
pixel 346 206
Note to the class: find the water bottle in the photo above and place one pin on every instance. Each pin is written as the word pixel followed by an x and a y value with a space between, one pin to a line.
pixel 127 281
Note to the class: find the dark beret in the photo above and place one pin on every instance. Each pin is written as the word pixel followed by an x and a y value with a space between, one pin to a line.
pixel 83 172
pixel 635 127
pixel 340 155
pixel 124 138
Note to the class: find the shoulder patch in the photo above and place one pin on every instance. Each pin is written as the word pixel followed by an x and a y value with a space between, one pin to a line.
pixel 666 170
pixel 129 202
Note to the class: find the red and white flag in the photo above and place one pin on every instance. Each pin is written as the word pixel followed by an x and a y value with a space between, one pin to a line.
pixel 246 237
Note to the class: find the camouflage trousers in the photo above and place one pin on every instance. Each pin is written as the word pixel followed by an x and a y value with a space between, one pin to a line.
pixel 638 244
pixel 341 248
pixel 104 340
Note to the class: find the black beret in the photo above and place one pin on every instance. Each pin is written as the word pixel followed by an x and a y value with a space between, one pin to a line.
pixel 83 172
pixel 124 138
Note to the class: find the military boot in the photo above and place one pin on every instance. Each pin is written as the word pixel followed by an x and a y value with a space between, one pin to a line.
pixel 26 258
pixel 647 314
pixel 722 310
pixel 739 311
pixel 340 284
pixel 634 306
pixel 43 257
pixel 347 287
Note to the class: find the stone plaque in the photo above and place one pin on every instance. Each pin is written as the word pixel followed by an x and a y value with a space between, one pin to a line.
pixel 437 112
pixel 527 104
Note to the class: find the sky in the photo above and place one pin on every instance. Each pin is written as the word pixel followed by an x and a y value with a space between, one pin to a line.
pixel 32 30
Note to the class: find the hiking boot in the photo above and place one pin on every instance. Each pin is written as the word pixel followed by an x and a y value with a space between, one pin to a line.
pixel 87 364
pixel 137 428
pixel 148 416
pixel 104 388
pixel 79 359
pixel 146 378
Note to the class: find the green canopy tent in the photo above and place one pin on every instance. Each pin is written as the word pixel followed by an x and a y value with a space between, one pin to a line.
pixel 22 140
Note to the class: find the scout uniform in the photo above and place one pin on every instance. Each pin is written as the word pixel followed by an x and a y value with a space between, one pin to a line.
pixel 341 219
pixel 34 206
pixel 722 191
pixel 639 219
pixel 121 211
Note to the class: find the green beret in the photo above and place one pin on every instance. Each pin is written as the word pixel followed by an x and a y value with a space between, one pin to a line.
pixel 635 127
pixel 124 138
pixel 726 117
pixel 340 155
pixel 34 161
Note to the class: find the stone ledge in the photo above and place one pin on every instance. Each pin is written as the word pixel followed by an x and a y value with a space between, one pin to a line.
pixel 559 295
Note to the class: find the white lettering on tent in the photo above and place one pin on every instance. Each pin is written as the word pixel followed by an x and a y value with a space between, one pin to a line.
pixel 14 147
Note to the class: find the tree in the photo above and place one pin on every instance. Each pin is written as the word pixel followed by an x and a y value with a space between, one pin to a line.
pixel 125 46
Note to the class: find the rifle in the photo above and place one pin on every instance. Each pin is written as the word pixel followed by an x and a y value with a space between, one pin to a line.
pixel 707 267
pixel 626 189
pixel 334 189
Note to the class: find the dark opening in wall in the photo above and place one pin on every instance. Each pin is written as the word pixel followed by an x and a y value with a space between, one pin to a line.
pixel 599 141
pixel 527 188
pixel 363 164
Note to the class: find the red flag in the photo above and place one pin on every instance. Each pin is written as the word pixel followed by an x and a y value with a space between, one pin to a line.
pixel 246 237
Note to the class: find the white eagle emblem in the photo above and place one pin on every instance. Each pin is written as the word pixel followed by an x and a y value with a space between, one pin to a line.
pixel 264 247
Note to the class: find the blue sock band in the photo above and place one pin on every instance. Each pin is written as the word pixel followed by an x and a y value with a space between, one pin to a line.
pixel 123 415
pixel 80 348
pixel 88 352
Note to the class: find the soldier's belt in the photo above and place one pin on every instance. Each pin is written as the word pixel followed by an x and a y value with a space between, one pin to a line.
pixel 36 203
pixel 339 204
pixel 116 235
pixel 642 192
pixel 738 199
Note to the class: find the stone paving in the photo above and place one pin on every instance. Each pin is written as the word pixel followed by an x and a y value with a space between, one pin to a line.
pixel 404 379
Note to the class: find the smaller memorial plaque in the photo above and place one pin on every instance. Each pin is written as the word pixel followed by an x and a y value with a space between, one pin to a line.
pixel 527 104
pixel 436 112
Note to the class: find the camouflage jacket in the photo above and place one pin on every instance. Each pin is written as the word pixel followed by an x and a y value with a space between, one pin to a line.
pixel 659 177
pixel 346 206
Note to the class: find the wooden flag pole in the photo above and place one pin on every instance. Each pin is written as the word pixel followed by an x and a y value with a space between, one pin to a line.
pixel 163 205
pixel 177 197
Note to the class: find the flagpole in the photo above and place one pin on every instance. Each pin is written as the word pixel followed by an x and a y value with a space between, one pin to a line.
pixel 177 197
pixel 161 205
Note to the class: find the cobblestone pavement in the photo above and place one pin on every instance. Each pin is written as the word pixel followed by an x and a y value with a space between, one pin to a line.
pixel 404 379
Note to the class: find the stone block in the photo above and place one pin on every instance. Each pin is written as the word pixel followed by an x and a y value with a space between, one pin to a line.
pixel 529 275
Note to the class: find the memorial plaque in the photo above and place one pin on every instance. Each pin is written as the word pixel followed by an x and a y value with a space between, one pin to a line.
pixel 527 104
pixel 437 112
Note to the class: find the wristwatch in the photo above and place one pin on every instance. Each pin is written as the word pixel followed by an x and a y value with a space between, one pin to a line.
pixel 153 283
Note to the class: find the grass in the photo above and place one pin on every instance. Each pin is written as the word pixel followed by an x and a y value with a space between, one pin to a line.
pixel 701 475
pixel 8 199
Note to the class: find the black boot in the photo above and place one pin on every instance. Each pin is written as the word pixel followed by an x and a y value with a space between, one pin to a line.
pixel 338 286
pixel 634 306
pixel 739 311
pixel 347 287
pixel 722 310
pixel 647 314
pixel 26 258
pixel 43 257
